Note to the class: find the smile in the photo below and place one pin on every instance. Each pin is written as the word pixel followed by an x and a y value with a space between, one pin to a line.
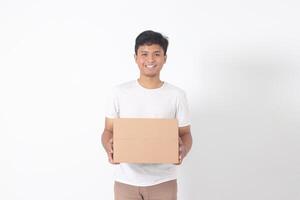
pixel 150 66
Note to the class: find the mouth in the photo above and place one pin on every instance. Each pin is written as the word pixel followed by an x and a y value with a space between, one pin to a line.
pixel 150 66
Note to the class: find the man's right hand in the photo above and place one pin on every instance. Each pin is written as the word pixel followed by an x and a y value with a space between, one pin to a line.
pixel 110 151
pixel 107 140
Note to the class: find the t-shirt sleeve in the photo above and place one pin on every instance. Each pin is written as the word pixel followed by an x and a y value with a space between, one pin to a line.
pixel 112 105
pixel 182 114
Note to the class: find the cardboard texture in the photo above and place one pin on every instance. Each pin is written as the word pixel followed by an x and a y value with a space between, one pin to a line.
pixel 144 140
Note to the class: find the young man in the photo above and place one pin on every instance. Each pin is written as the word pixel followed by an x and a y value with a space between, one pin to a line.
pixel 147 97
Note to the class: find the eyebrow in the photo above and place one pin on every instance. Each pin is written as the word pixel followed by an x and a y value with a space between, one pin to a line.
pixel 158 51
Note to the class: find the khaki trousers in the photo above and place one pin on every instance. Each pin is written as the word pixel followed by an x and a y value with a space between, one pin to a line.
pixel 162 191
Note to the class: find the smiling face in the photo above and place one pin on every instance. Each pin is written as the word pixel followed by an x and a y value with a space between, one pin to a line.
pixel 150 60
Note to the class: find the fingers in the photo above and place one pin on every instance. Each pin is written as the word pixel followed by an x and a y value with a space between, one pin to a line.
pixel 110 145
pixel 180 157
pixel 180 141
pixel 179 161
pixel 111 160
pixel 110 157
pixel 110 152
pixel 181 151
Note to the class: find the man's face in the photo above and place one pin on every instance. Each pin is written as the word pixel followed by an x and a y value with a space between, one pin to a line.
pixel 150 59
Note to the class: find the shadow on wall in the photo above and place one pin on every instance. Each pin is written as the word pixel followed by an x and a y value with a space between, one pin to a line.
pixel 245 127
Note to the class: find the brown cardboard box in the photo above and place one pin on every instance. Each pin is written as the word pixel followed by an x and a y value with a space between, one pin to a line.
pixel 145 140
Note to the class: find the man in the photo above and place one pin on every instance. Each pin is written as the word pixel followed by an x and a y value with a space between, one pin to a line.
pixel 147 97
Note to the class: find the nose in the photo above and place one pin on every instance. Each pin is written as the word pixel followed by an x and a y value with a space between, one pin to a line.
pixel 150 58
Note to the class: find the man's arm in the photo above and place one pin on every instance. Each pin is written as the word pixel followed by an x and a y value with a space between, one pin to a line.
pixel 107 139
pixel 185 142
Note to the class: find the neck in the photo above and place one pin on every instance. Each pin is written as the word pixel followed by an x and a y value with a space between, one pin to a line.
pixel 150 82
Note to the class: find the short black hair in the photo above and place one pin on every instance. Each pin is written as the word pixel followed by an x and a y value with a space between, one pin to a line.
pixel 151 37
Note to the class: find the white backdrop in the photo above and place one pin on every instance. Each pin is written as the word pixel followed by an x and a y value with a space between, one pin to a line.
pixel 238 61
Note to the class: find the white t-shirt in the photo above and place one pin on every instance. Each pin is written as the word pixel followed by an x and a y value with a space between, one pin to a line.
pixel 131 100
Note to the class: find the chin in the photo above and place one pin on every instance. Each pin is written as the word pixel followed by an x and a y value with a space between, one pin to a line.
pixel 150 75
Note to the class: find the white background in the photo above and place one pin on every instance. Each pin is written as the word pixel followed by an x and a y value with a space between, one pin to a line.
pixel 238 61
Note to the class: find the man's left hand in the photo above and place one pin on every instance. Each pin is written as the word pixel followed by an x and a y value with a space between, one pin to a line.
pixel 182 151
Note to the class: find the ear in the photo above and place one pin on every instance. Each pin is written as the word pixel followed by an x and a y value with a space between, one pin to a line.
pixel 165 58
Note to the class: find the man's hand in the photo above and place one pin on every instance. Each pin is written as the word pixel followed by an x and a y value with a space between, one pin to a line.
pixel 110 151
pixel 107 140
pixel 184 142
pixel 181 151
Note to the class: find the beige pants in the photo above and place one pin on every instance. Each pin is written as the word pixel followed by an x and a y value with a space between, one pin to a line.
pixel 162 191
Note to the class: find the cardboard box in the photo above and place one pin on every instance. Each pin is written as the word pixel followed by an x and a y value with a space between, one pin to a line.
pixel 145 140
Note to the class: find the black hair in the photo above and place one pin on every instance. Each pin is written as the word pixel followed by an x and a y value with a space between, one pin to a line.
pixel 151 37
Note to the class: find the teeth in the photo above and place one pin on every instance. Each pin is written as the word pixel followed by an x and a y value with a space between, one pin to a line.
pixel 150 66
